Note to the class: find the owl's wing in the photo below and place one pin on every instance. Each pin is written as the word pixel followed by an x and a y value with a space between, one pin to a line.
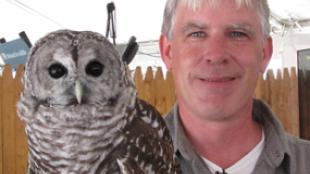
pixel 154 128
pixel 146 146
pixel 128 166
pixel 149 145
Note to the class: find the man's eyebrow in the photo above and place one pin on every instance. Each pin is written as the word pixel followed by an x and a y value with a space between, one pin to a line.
pixel 193 26
pixel 242 26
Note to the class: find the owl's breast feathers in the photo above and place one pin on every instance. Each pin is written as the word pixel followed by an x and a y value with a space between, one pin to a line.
pixel 140 144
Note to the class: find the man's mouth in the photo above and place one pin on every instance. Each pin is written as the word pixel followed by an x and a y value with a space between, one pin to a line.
pixel 217 79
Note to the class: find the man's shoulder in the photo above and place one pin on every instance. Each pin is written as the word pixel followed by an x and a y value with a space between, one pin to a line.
pixel 295 142
pixel 299 148
pixel 299 153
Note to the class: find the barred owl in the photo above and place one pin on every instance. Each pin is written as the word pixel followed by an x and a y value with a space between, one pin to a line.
pixel 81 112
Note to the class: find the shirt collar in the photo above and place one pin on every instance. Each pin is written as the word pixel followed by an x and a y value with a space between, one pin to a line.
pixel 276 143
pixel 179 138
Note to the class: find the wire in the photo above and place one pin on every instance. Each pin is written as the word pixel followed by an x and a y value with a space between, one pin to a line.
pixel 25 7
pixel 156 55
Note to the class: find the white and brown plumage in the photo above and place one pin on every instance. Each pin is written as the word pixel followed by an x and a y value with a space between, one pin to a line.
pixel 81 111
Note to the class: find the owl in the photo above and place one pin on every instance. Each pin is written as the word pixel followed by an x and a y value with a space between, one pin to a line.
pixel 81 112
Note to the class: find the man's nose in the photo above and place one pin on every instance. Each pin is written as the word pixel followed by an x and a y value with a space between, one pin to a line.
pixel 216 51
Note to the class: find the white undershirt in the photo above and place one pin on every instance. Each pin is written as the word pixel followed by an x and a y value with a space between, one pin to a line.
pixel 245 165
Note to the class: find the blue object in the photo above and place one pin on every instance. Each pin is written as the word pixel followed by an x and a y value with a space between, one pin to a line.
pixel 14 52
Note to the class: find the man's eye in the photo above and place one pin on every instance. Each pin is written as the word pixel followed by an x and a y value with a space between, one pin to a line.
pixel 197 34
pixel 238 34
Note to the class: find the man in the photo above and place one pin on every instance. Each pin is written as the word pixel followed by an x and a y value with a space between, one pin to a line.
pixel 216 50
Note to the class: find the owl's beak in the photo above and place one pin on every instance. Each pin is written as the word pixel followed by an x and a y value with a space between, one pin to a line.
pixel 78 91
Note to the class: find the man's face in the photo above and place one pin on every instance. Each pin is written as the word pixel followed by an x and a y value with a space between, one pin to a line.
pixel 216 55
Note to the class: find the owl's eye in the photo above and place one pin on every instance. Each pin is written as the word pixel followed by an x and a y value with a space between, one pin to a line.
pixel 57 70
pixel 94 68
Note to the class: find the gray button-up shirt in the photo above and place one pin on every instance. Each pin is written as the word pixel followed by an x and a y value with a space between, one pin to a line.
pixel 282 153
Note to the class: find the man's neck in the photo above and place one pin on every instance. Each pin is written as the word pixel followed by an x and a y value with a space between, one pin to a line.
pixel 222 142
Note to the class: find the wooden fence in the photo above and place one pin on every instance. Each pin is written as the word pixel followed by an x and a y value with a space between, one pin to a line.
pixel 13 144
pixel 279 91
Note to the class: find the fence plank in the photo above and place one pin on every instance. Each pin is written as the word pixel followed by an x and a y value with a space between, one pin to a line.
pixel 284 101
pixel 138 79
pixel 261 90
pixel 160 99
pixel 171 97
pixel 8 128
pixel 277 96
pixel 148 88
pixel 294 102
pixel 271 84
pixel 20 137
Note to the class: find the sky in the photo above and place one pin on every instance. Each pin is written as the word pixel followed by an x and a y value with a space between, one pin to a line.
pixel 139 18
pixel 38 17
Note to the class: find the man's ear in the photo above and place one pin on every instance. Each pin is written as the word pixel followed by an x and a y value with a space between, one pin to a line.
pixel 165 50
pixel 267 54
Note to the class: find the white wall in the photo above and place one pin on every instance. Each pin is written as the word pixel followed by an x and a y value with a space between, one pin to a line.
pixel 286 46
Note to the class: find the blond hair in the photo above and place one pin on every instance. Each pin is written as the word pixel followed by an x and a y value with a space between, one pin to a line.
pixel 261 6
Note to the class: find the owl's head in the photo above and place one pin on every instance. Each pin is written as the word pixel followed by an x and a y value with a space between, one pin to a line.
pixel 70 67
